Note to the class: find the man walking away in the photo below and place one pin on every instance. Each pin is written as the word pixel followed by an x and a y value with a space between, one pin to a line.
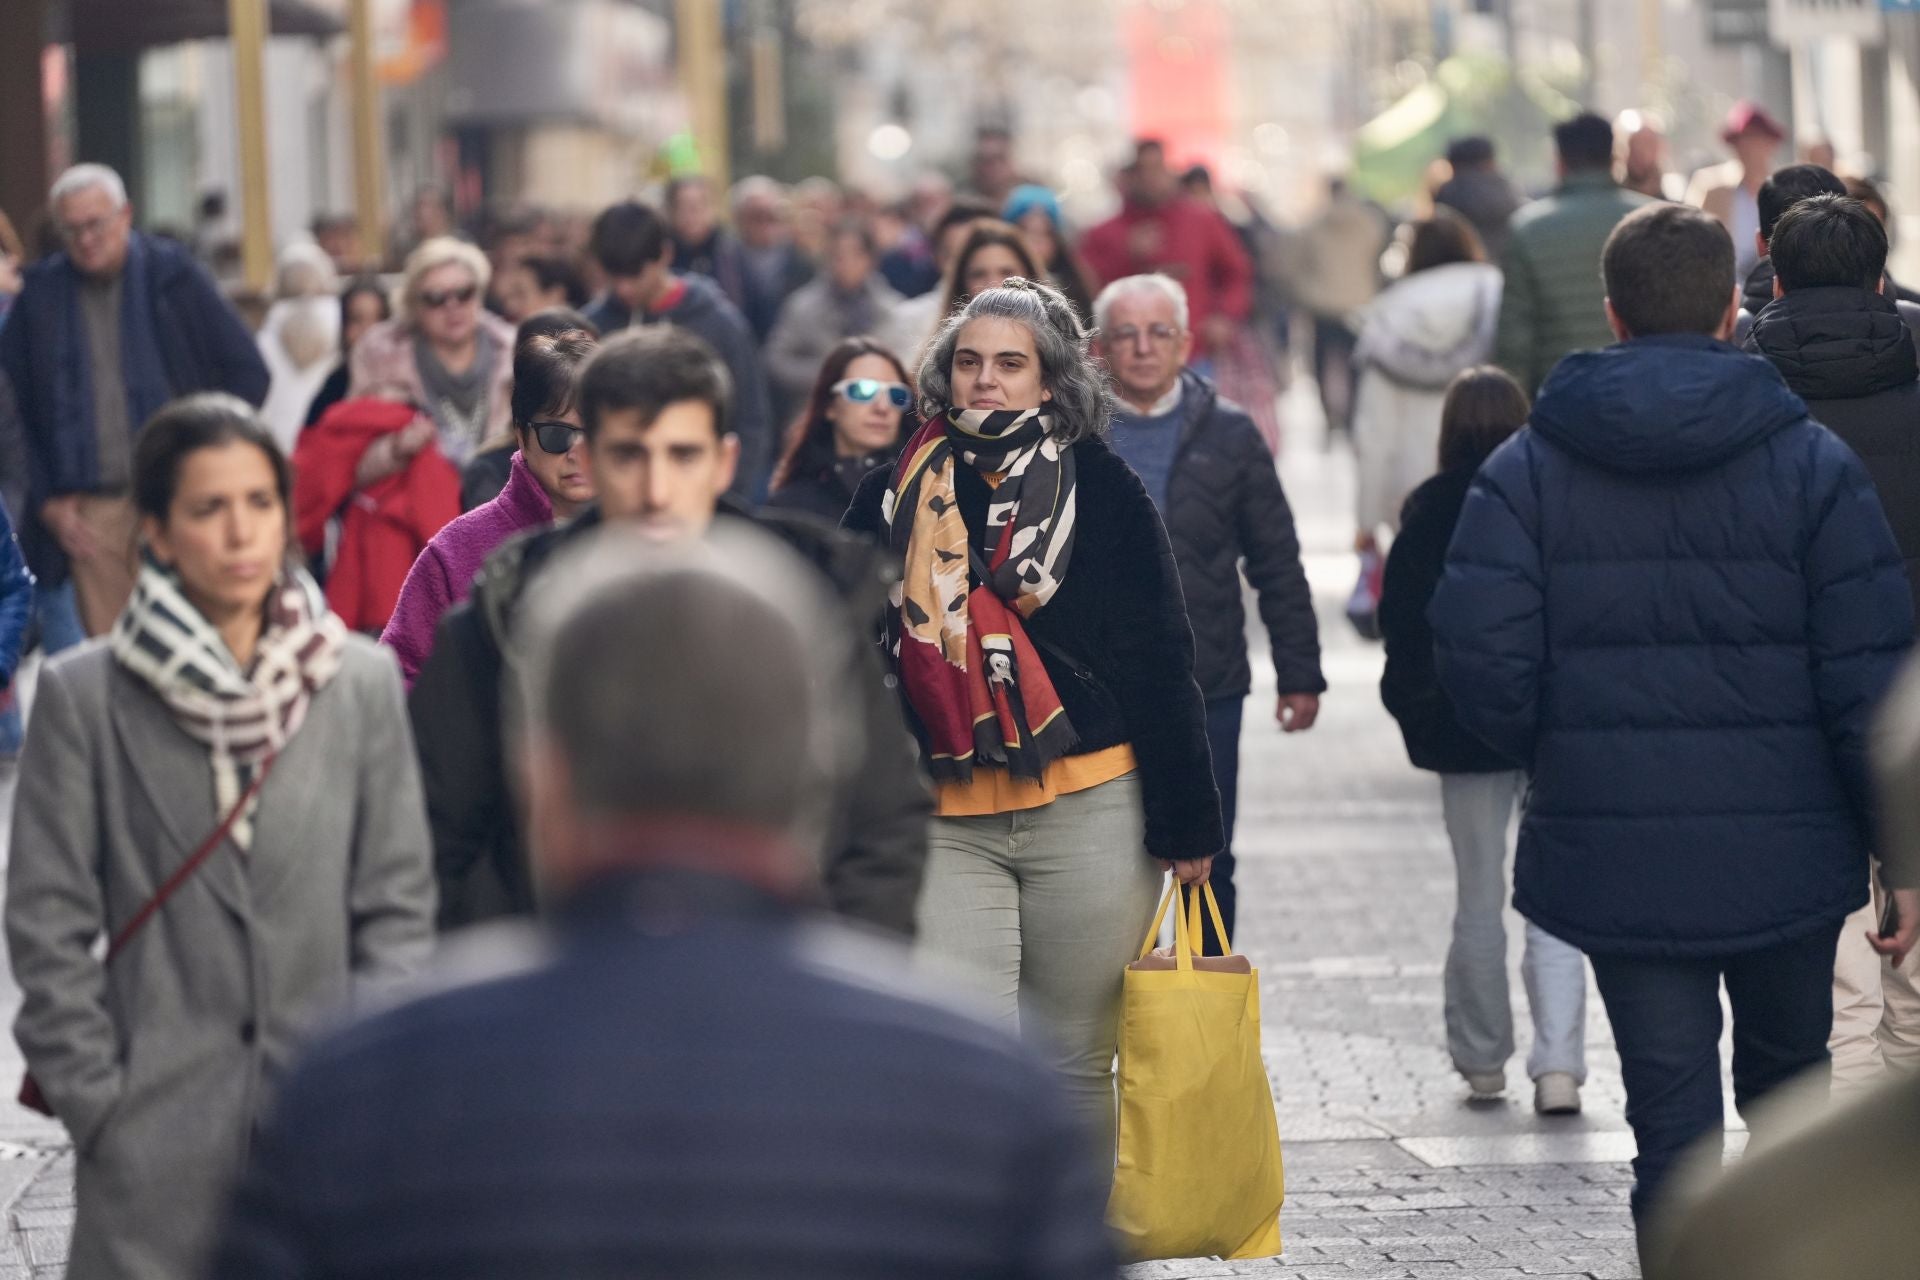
pixel 1551 303
pixel 1837 338
pixel 1479 192
pixel 696 1077
pixel 103 334
pixel 1210 474
pixel 1675 601
pixel 1778 194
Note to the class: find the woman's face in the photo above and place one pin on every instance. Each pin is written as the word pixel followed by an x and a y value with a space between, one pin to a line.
pixel 446 305
pixel 989 266
pixel 995 366
pixel 567 479
pixel 861 428
pixel 226 531
pixel 363 312
pixel 1037 227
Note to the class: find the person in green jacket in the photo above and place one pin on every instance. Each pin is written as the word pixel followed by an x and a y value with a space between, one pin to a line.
pixel 1553 299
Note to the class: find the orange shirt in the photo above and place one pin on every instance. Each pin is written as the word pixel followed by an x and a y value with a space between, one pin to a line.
pixel 997 791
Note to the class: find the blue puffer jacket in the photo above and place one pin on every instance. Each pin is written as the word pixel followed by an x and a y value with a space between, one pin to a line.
pixel 1675 598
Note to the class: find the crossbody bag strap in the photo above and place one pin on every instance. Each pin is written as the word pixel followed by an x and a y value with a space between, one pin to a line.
pixel 185 871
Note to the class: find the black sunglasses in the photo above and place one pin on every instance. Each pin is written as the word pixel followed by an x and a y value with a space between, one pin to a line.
pixel 433 300
pixel 554 437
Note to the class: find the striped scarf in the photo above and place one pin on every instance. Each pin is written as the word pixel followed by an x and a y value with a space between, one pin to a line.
pixel 244 717
pixel 958 633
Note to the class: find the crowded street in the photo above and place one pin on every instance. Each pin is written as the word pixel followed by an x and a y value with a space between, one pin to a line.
pixel 1390 1173
pixel 1163 639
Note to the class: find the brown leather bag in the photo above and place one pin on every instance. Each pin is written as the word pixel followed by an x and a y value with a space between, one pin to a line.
pixel 30 1095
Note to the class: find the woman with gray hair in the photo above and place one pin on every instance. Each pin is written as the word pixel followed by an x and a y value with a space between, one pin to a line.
pixel 1046 664
pixel 445 352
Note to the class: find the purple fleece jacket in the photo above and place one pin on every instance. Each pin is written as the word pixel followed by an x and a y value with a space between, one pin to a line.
pixel 443 575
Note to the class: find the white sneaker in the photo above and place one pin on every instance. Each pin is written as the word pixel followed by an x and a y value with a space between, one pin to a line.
pixel 1485 1086
pixel 1556 1093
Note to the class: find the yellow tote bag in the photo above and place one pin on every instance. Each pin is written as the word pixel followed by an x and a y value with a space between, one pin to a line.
pixel 1199 1166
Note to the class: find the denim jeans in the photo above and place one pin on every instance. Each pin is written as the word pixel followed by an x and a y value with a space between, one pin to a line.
pixel 1479 1009
pixel 1223 737
pixel 58 617
pixel 1666 1022
pixel 1044 909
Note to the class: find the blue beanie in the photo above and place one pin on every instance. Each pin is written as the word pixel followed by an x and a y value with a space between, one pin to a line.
pixel 1025 199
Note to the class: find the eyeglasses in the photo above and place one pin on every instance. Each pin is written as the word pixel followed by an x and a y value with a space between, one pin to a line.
pixel 433 299
pixel 1160 334
pixel 74 232
pixel 554 437
pixel 865 390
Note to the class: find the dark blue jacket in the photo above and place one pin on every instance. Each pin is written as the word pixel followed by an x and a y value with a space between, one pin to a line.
pixel 707 313
pixel 1675 599
pixel 178 335
pixel 698 1084
pixel 16 600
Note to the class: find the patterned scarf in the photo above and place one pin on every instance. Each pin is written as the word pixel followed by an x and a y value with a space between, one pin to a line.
pixel 243 717
pixel 957 635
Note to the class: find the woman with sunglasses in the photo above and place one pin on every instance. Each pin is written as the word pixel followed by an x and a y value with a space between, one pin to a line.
pixel 549 481
pixel 855 421
pixel 452 357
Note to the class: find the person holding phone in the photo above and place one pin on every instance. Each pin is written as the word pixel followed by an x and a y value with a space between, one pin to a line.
pixel 548 480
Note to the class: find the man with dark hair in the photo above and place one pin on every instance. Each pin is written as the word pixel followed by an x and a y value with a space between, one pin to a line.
pixel 1779 193
pixel 1551 302
pixel 1162 229
pixel 656 410
pixel 991 169
pixel 633 245
pixel 1480 193
pixel 687 1073
pixel 1836 336
pixel 1675 601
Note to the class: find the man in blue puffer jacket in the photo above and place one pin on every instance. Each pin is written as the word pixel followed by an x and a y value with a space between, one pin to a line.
pixel 1675 599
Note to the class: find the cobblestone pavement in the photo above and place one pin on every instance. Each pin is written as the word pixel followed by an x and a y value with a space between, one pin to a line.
pixel 1345 904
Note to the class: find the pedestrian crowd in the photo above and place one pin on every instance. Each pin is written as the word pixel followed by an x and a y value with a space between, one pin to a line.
pixel 654 741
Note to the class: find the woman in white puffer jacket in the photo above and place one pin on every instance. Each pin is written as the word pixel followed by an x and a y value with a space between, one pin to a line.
pixel 1436 321
pixel 300 340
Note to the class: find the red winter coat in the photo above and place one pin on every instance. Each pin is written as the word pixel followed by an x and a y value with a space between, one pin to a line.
pixel 385 526
pixel 1185 239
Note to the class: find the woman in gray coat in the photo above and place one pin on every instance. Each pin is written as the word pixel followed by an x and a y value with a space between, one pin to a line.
pixel 224 688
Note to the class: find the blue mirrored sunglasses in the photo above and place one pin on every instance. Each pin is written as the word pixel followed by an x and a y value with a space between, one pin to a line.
pixel 864 390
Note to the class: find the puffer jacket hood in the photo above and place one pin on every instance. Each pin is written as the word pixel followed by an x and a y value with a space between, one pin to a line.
pixel 1835 343
pixel 1677 402
pixel 1431 325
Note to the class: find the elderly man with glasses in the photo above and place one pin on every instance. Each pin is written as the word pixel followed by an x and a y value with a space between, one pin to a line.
pixel 105 332
pixel 1211 475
